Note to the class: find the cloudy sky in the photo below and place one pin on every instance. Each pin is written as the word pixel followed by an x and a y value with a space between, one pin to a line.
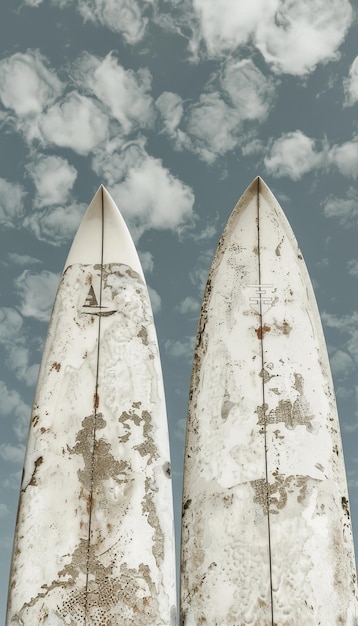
pixel 175 105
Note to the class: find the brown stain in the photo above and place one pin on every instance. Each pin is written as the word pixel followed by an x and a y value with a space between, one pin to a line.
pixel 283 328
pixel 33 480
pixel 55 366
pixel 143 335
pixel 262 330
pixel 273 497
pixel 292 414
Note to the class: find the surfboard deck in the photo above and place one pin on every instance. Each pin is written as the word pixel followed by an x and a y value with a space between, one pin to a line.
pixel 266 532
pixel 94 539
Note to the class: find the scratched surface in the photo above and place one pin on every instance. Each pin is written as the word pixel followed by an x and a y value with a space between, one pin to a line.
pixel 94 535
pixel 266 535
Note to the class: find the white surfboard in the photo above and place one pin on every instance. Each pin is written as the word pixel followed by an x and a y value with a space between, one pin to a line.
pixel 266 530
pixel 94 535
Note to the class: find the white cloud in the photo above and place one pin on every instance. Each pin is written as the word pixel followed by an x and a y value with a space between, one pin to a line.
pixel 76 123
pixel 300 35
pixel 113 159
pixel 293 155
pixel 345 157
pixel 121 16
pixel 250 91
pixel 180 349
pixel 124 92
pixel 56 225
pixel 345 209
pixel 292 36
pixel 147 261
pixel 14 344
pixel 37 293
pixel 27 86
pixel 10 324
pixel 351 84
pixel 155 300
pixel 236 95
pixel 54 178
pixel 23 260
pixel 213 126
pixel 11 203
pixel 170 106
pixel 151 197
pixel 13 454
pixel 189 305
pixel 342 364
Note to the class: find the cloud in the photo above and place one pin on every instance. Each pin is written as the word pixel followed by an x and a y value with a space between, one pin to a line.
pixel 351 84
pixel 56 225
pixel 293 37
pixel 11 203
pixel 155 300
pixel 15 346
pixel 152 198
pixel 76 123
pixel 237 95
pixel 121 16
pixel 293 155
pixel 180 349
pixel 345 209
pixel 123 92
pixel 345 158
pixel 189 305
pixel 147 261
pixel 300 35
pixel 27 86
pixel 170 106
pixel 22 260
pixel 13 454
pixel 37 293
pixel 54 178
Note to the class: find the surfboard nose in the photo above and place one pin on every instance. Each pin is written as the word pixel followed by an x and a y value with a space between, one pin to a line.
pixel 103 235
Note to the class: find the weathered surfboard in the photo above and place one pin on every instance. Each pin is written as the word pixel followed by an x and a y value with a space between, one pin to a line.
pixel 266 531
pixel 94 535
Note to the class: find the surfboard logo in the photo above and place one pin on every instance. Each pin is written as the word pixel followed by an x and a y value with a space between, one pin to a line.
pixel 262 298
pixel 93 306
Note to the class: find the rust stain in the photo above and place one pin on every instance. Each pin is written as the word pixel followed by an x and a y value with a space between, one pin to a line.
pixel 261 330
pixel 345 506
pixel 96 401
pixel 284 328
pixel 55 366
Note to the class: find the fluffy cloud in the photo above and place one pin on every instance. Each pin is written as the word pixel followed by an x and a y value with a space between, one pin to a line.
pixel 170 106
pixel 37 293
pixel 56 225
pixel 293 155
pixel 75 123
pixel 151 197
pixel 147 261
pixel 236 95
pixel 189 305
pixel 124 92
pixel 23 260
pixel 54 178
pixel 27 86
pixel 15 347
pixel 180 349
pixel 292 36
pixel 121 16
pixel 351 84
pixel 11 203
pixel 345 209
pixel 155 300
pixel 345 158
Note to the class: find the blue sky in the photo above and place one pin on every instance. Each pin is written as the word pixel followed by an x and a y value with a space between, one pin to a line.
pixel 175 106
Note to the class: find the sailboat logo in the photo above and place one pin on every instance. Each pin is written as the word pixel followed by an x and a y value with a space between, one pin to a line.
pixel 91 299
pixel 92 304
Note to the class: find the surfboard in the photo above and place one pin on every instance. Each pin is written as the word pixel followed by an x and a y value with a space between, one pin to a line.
pixel 94 541
pixel 266 530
